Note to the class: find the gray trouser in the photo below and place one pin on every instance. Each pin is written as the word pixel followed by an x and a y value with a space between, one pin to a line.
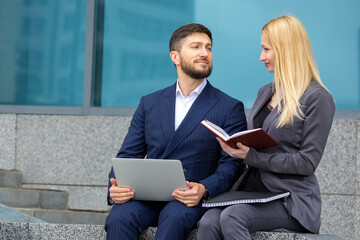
pixel 238 221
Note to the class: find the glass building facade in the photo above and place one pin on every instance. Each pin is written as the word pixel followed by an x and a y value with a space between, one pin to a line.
pixel 71 55
pixel 42 46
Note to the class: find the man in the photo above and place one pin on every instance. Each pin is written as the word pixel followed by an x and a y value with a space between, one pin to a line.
pixel 166 125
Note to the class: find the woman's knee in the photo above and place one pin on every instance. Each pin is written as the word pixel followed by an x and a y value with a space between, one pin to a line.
pixel 231 220
pixel 209 226
pixel 208 221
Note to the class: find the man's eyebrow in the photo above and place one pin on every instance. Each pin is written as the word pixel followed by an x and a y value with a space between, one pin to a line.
pixel 201 43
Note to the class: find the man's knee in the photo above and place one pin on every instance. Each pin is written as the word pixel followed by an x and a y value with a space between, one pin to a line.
pixel 127 214
pixel 116 216
pixel 177 214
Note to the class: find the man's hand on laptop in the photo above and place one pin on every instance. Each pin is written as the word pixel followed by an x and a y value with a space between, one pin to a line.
pixel 120 194
pixel 192 196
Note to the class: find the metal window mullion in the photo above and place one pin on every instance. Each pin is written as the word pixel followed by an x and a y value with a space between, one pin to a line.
pixel 89 55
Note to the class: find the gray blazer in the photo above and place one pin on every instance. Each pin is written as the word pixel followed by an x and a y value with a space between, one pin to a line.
pixel 291 165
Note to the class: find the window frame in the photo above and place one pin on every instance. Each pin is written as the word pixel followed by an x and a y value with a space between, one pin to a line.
pixel 87 107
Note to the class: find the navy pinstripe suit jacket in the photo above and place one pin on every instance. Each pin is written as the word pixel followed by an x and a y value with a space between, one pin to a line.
pixel 152 134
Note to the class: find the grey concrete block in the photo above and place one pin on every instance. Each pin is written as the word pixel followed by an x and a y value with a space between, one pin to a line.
pixel 358 162
pixel 336 171
pixel 54 200
pixel 71 217
pixel 17 197
pixel 316 237
pixel 272 236
pixel 10 178
pixel 81 198
pixel 27 211
pixel 337 217
pixel 68 149
pixel 357 216
pixel 7 141
pixel 16 231
pixel 8 214
pixel 149 234
pixel 72 231
pixel 12 231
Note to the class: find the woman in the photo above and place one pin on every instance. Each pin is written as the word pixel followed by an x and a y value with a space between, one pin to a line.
pixel 297 111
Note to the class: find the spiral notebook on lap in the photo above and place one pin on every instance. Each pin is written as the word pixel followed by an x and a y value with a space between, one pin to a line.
pixel 151 179
pixel 238 197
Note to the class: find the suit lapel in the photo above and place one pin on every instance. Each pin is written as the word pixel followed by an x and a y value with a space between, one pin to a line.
pixel 167 111
pixel 203 103
pixel 260 102
pixel 270 119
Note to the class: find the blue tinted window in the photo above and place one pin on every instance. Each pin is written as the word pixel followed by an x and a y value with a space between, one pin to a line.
pixel 136 34
pixel 135 57
pixel 42 46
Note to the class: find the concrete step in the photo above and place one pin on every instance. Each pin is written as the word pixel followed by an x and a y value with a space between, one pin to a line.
pixel 67 216
pixel 34 198
pixel 10 178
pixel 8 214
pixel 14 231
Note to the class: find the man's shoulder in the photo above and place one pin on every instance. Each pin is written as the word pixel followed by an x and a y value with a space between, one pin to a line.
pixel 163 91
pixel 224 96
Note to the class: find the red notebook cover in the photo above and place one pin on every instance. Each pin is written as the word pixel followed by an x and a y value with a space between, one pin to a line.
pixel 256 138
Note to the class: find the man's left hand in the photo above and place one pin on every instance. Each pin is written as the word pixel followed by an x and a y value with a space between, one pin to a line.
pixel 192 196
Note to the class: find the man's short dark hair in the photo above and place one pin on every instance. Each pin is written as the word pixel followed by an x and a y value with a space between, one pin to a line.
pixel 181 33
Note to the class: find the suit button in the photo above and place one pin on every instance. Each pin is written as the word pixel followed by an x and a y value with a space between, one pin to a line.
pixel 184 171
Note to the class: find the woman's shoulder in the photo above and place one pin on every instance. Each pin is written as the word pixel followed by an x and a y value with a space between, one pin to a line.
pixel 266 88
pixel 317 95
pixel 316 90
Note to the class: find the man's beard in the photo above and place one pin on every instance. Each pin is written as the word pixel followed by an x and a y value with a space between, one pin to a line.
pixel 189 70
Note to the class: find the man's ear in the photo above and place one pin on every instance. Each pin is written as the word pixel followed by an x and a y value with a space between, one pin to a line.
pixel 174 55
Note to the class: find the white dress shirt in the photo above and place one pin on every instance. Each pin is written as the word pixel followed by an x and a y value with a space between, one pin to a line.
pixel 183 104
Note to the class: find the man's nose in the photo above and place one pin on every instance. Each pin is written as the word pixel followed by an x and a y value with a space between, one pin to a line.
pixel 204 52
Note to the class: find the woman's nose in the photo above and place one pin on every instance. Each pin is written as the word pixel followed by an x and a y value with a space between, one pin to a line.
pixel 262 57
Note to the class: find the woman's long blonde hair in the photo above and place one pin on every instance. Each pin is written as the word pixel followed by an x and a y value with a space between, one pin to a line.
pixel 295 66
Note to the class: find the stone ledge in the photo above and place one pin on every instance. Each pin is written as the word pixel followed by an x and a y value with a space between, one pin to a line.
pixel 66 216
pixel 12 231
pixel 34 198
pixel 10 178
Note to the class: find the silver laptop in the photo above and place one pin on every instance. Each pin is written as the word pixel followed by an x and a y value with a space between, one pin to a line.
pixel 151 179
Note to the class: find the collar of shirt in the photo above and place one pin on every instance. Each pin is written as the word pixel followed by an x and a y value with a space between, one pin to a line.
pixel 197 91
pixel 183 104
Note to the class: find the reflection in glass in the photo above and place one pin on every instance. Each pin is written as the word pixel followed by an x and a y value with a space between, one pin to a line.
pixel 135 59
pixel 42 46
